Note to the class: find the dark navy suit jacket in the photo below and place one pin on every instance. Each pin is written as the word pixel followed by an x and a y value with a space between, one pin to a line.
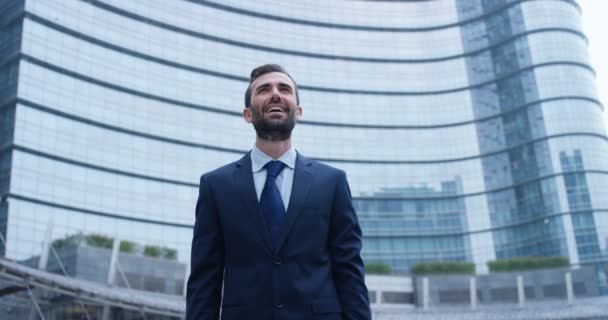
pixel 315 272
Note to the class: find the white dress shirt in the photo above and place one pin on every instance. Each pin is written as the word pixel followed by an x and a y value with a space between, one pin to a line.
pixel 285 178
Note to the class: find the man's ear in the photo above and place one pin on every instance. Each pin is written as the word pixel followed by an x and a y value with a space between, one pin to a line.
pixel 247 115
pixel 298 113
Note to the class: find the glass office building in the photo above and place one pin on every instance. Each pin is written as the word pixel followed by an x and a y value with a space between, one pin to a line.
pixel 470 130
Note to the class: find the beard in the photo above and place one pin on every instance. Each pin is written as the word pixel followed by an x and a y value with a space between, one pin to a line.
pixel 273 129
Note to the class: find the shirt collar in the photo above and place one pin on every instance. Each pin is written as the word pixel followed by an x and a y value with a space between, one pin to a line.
pixel 259 158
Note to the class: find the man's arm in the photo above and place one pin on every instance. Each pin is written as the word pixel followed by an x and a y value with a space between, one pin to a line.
pixel 345 242
pixel 207 260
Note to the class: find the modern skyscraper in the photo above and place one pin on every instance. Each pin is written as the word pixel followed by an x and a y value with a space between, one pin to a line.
pixel 469 130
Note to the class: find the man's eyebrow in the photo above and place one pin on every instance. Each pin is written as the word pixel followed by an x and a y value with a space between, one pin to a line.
pixel 262 86
pixel 267 84
pixel 285 84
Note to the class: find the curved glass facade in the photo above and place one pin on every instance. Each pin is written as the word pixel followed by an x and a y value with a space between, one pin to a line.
pixel 469 130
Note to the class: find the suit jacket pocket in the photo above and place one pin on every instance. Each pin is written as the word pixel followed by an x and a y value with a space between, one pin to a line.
pixel 326 305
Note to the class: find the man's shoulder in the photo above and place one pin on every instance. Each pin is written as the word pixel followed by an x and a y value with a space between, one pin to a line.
pixel 320 167
pixel 226 169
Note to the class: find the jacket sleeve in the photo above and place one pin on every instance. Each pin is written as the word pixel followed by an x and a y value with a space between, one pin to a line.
pixel 345 242
pixel 204 290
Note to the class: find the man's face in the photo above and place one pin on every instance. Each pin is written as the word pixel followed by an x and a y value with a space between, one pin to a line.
pixel 274 109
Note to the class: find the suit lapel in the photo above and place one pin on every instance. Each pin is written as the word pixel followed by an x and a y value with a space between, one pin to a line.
pixel 245 190
pixel 302 180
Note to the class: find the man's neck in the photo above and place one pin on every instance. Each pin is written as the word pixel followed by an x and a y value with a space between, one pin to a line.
pixel 274 149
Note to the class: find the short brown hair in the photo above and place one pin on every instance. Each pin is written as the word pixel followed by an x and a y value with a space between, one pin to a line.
pixel 262 70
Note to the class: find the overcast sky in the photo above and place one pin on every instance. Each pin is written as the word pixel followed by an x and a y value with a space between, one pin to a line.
pixel 595 27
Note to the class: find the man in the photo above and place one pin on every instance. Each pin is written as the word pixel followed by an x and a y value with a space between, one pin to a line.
pixel 277 230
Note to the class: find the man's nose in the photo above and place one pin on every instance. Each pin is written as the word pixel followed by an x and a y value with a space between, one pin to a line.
pixel 276 94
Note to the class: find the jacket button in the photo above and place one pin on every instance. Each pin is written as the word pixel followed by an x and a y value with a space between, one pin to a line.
pixel 279 306
pixel 277 260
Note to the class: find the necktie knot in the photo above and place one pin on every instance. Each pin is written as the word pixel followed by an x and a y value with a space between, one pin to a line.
pixel 274 168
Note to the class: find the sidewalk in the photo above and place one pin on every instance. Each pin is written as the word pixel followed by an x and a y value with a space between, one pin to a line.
pixel 581 309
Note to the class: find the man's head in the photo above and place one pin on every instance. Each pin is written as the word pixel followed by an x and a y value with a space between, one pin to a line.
pixel 262 70
pixel 272 103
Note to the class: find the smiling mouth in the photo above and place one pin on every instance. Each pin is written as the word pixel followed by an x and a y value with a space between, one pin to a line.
pixel 275 110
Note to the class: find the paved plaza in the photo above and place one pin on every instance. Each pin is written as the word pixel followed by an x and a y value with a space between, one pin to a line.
pixel 580 309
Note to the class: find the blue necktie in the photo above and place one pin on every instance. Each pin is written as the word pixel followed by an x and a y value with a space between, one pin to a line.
pixel 271 201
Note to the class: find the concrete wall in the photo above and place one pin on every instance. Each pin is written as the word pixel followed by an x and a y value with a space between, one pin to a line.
pixel 144 273
pixel 502 287
pixel 396 290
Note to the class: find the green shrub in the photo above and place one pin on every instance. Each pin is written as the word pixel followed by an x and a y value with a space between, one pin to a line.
pixel 377 268
pixel 93 240
pixel 152 251
pixel 99 241
pixel 169 254
pixel 527 263
pixel 160 252
pixel 72 240
pixel 443 267
pixel 127 246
